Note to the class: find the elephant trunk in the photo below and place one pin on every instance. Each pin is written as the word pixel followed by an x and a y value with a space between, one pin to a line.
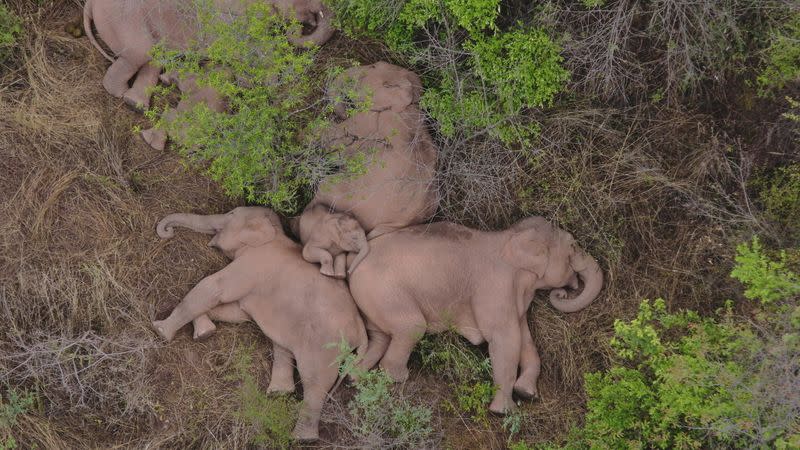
pixel 589 271
pixel 203 224
pixel 363 250
pixel 322 32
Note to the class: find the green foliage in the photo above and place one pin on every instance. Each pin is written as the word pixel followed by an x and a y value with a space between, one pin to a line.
pixel 466 370
pixel 273 416
pixel 764 279
pixel 14 404
pixel 378 411
pixel 685 381
pixel 782 60
pixel 485 92
pixel 10 30
pixel 255 149
pixel 780 195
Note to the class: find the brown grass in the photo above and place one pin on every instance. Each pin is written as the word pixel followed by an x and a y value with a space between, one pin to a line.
pixel 655 194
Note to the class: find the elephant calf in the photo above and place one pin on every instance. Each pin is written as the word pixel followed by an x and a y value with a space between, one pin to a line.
pixel 328 237
pixel 442 276
pixel 299 309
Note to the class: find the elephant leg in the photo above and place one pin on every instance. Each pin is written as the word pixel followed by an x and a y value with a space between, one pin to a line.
pixel 319 255
pixel 117 76
pixel 225 286
pixel 504 351
pixel 318 378
pixel 529 363
pixel 395 360
pixel 228 312
pixel 377 344
pixel 340 266
pixel 137 96
pixel 282 378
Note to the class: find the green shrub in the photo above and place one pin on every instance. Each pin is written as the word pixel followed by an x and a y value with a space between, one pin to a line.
pixel 463 367
pixel 479 78
pixel 780 195
pixel 255 150
pixel 10 30
pixel 272 416
pixel 379 417
pixel 14 404
pixel 686 381
pixel 782 61
pixel 765 280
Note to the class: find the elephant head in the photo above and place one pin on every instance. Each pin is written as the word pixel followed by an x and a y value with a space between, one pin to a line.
pixel 552 255
pixel 240 228
pixel 315 18
pixel 349 236
pixel 382 86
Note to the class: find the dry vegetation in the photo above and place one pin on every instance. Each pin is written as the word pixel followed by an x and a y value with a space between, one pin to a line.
pixel 657 193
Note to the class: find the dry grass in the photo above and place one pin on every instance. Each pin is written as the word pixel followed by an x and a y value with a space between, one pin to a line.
pixel 655 194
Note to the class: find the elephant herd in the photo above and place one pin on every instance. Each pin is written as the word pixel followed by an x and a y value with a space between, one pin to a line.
pixel 370 270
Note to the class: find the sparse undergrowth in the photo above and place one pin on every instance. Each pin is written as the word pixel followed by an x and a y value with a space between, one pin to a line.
pixel 10 30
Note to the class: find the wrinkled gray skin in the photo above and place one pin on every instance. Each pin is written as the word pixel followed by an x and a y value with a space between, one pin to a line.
pixel 328 237
pixel 131 28
pixel 430 278
pixel 268 281
pixel 398 188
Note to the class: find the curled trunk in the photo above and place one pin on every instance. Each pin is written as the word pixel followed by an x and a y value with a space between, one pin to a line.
pixel 363 250
pixel 202 224
pixel 589 272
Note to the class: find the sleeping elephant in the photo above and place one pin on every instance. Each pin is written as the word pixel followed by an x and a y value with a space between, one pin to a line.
pixel 398 185
pixel 328 236
pixel 131 28
pixel 441 276
pixel 299 309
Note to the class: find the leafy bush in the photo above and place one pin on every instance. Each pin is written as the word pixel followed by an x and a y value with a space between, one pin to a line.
pixel 782 57
pixel 780 195
pixel 479 78
pixel 766 280
pixel 685 381
pixel 273 416
pixel 10 29
pixel 379 417
pixel 255 149
pixel 463 367
pixel 11 407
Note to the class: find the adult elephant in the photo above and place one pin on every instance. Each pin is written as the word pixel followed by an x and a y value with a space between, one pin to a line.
pixel 398 186
pixel 131 28
pixel 440 276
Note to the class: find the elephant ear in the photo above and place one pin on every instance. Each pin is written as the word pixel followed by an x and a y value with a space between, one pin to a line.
pixel 529 248
pixel 401 89
pixel 256 232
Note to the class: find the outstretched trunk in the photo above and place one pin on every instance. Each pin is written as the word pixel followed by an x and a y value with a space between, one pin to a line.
pixel 203 224
pixel 589 271
pixel 363 250
pixel 322 32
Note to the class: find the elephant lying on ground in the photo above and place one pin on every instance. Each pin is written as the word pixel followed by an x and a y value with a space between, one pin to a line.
pixel 328 237
pixel 131 28
pixel 398 188
pixel 440 276
pixel 299 309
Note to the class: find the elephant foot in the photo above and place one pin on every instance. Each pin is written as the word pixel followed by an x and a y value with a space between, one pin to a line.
pixel 155 138
pixel 280 387
pixel 305 432
pixel 502 404
pixel 327 271
pixel 526 388
pixel 204 329
pixel 137 101
pixel 165 332
pixel 115 88
pixel 398 373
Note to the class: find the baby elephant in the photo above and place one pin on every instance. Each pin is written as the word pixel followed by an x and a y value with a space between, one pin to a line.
pixel 328 236
pixel 298 308
pixel 441 276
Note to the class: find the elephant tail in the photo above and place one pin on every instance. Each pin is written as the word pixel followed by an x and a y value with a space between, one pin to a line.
pixel 87 25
